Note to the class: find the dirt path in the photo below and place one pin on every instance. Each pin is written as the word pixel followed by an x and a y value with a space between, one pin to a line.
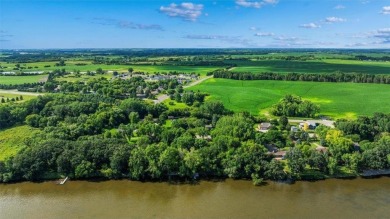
pixel 20 92
pixel 163 97
pixel 197 82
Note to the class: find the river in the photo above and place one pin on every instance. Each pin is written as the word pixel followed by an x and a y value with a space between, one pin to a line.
pixel 333 198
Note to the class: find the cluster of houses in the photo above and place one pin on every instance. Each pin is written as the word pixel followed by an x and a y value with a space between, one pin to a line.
pixel 181 78
pixel 305 125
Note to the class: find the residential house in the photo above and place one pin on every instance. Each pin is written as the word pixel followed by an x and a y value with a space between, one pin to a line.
pixel 264 127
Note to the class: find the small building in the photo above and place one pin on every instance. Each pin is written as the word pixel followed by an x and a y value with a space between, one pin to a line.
pixel 322 149
pixel 294 129
pixel 264 126
pixel 204 137
pixel 307 125
pixel 280 155
pixel 141 96
pixel 208 126
pixel 271 148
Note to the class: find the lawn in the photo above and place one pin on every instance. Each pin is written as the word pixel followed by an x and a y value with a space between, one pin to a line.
pixel 338 100
pixel 21 79
pixel 12 140
pixel 175 104
pixel 315 66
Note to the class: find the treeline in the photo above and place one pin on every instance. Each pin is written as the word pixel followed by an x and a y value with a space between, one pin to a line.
pixel 320 77
pixel 365 127
pixel 294 106
pixel 371 58
pixel 32 87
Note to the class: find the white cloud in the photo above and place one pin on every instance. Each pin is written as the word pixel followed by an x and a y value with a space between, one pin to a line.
pixel 310 26
pixel 339 7
pixel 235 40
pixel 186 10
pixel 383 35
pixel 124 24
pixel 255 4
pixel 264 34
pixel 287 39
pixel 377 38
pixel 386 10
pixel 334 19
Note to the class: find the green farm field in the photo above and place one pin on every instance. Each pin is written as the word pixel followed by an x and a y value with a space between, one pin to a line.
pixel 21 79
pixel 338 100
pixel 12 140
pixel 315 66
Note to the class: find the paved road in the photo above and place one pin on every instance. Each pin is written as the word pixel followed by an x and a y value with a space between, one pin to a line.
pixel 163 97
pixel 328 123
pixel 19 92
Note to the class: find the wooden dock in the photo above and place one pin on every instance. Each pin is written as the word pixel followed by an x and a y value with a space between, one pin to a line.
pixel 63 181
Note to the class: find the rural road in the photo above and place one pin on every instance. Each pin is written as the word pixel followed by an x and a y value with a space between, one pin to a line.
pixel 197 82
pixel 328 123
pixel 163 97
pixel 19 92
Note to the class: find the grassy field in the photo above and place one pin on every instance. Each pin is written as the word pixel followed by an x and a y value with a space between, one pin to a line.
pixel 315 66
pixel 7 95
pixel 338 100
pixel 12 140
pixel 21 79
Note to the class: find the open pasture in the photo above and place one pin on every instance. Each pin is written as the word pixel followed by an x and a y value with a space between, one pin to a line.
pixel 338 100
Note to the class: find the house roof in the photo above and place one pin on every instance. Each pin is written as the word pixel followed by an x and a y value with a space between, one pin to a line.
pixel 280 153
pixel 265 124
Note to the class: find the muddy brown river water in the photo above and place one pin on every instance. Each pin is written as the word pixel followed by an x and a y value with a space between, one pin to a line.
pixel 334 198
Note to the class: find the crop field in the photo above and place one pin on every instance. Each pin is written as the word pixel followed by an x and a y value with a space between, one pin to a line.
pixel 338 100
pixel 21 79
pixel 313 66
pixel 12 140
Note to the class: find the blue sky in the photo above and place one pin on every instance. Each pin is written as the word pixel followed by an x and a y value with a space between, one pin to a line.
pixel 194 24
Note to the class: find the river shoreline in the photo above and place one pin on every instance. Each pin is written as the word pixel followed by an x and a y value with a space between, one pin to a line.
pixel 57 181
pixel 332 198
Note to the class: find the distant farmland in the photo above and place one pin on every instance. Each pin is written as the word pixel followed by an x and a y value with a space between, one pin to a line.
pixel 336 99
pixel 315 66
pixel 21 79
